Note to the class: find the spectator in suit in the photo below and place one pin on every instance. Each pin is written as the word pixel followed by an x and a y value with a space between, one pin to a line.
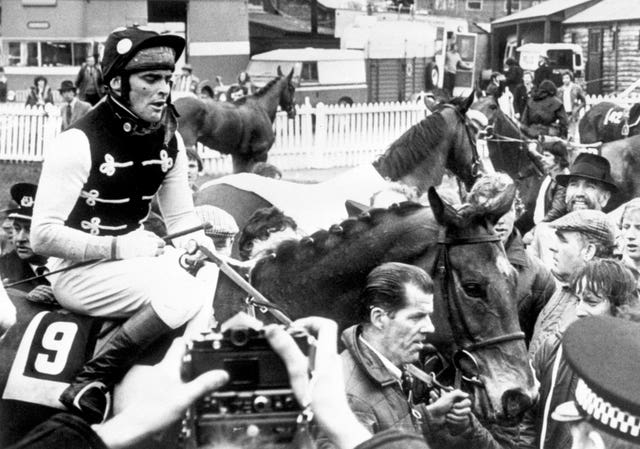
pixel 72 108
pixel 3 86
pixel 89 81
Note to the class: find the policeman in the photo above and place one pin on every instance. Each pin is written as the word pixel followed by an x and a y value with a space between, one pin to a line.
pixel 97 182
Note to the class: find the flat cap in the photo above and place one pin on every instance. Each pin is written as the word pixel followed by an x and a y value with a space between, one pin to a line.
pixel 587 221
pixel 604 352
pixel 222 223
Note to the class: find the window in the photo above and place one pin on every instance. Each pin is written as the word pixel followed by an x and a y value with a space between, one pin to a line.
pixel 309 72
pixel 515 5
pixel 574 38
pixel 442 5
pixel 474 5
pixel 46 53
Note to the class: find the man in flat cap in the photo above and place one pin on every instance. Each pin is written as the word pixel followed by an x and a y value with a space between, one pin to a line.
pixel 580 236
pixel 97 182
pixel 604 353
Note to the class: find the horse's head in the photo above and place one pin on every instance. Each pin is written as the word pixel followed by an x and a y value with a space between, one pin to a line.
pixel 463 158
pixel 287 93
pixel 476 289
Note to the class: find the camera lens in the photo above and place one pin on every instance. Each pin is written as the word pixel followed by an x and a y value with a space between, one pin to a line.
pixel 239 337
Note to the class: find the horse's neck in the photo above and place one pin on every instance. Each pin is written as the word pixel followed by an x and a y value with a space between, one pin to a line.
pixel 270 99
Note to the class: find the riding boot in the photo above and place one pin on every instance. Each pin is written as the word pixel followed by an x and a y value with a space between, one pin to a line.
pixel 88 393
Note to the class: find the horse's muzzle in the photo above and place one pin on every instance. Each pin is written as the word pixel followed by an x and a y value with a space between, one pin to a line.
pixel 515 402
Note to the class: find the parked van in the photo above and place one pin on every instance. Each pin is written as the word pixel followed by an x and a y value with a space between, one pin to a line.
pixel 561 57
pixel 322 75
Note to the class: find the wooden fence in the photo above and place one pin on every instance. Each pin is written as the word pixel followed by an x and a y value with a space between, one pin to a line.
pixel 324 136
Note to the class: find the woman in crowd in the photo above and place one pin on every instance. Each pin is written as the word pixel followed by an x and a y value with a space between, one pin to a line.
pixel 40 93
pixel 603 287
pixel 545 114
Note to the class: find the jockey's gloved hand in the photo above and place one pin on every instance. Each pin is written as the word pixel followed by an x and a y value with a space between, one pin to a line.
pixel 42 294
pixel 138 243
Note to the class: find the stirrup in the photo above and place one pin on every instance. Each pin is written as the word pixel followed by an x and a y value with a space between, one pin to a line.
pixel 83 390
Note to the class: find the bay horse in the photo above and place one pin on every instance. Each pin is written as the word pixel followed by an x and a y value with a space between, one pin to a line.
pixel 509 153
pixel 419 158
pixel 244 128
pixel 474 309
pixel 607 121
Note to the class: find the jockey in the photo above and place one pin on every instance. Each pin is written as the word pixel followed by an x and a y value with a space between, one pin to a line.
pixel 97 182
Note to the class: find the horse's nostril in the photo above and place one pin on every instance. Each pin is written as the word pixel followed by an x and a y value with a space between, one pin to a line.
pixel 515 402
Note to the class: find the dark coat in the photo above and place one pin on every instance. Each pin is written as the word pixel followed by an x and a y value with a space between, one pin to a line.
pixel 535 287
pixel 13 268
pixel 545 113
pixel 514 76
pixel 557 434
pixel 378 402
pixel 32 98
pixel 543 72
pixel 555 205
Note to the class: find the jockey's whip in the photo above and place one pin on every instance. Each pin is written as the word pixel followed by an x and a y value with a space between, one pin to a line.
pixel 258 298
pixel 167 239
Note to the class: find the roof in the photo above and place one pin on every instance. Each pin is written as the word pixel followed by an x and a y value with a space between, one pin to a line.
pixel 608 11
pixel 540 10
pixel 308 54
pixel 286 24
pixel 549 46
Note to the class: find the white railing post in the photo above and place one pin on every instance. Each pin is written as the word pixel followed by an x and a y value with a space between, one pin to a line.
pixel 320 137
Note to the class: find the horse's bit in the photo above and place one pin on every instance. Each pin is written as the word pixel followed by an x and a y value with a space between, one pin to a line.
pixel 466 366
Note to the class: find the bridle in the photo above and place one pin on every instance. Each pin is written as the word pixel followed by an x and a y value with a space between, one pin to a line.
pixel 468 127
pixel 463 355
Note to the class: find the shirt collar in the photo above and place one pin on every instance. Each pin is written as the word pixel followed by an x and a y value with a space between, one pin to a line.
pixel 394 370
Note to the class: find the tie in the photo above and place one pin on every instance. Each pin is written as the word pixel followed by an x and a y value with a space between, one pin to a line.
pixel 68 114
pixel 42 269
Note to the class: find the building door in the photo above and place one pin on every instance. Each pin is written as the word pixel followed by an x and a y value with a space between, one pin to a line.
pixel 594 62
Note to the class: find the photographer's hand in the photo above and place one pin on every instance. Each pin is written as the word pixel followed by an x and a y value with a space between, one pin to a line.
pixel 328 398
pixel 159 402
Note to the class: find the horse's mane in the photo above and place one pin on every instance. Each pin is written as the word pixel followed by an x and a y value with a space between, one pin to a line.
pixel 260 92
pixel 329 248
pixel 413 147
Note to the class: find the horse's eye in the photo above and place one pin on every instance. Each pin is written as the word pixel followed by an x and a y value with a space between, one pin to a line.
pixel 474 290
pixel 493 106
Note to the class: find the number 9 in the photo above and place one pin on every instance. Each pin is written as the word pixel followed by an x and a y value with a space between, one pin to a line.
pixel 59 338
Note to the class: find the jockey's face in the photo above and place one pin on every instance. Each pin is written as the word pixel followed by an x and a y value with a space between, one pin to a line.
pixel 149 92
pixel 21 234
pixel 584 193
pixel 404 332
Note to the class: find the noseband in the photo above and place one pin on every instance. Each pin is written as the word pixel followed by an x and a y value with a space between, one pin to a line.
pixel 464 351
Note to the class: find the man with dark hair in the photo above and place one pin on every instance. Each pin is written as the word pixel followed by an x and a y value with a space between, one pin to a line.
pixel 265 229
pixel 395 310
pixel 96 186
pixel 267 170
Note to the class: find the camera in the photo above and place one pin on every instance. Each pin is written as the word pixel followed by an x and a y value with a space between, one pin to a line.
pixel 257 403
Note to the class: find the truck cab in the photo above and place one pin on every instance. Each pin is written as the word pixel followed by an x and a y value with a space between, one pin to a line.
pixel 562 57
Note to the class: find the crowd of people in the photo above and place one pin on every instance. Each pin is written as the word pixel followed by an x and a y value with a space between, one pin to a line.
pixel 576 290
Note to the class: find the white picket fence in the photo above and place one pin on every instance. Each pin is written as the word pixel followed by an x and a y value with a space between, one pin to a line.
pixel 325 136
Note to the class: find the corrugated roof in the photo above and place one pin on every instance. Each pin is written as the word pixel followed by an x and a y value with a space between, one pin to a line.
pixel 608 11
pixel 541 10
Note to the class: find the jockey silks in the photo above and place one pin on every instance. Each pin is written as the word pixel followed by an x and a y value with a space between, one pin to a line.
pixel 128 166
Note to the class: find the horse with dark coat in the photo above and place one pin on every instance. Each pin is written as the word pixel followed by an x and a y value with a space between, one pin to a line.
pixel 606 122
pixel 474 314
pixel 244 128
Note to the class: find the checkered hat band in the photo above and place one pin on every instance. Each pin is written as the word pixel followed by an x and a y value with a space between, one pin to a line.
pixel 606 413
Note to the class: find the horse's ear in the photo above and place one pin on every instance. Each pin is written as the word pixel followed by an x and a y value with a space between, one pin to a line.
pixel 500 205
pixel 466 104
pixel 444 213
pixel 279 71
pixel 290 75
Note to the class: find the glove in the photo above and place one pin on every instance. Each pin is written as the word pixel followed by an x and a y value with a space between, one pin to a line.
pixel 42 294
pixel 138 243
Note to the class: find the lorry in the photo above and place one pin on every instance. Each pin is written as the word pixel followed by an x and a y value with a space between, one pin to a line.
pixel 406 55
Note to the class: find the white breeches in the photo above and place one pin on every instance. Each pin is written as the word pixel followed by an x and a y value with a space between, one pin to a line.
pixel 119 288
